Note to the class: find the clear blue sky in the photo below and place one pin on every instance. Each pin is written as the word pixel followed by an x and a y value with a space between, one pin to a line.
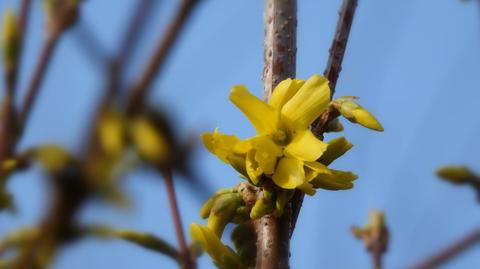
pixel 413 63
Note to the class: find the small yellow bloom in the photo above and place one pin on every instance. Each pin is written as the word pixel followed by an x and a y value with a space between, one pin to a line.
pixel 284 142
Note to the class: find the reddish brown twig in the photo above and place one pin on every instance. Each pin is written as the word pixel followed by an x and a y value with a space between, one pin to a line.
pixel 37 77
pixel 140 88
pixel 186 259
pixel 450 252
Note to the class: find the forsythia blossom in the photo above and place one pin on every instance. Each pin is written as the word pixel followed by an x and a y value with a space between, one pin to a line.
pixel 284 149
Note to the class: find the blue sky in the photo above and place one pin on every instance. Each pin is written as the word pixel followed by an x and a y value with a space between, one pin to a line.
pixel 413 63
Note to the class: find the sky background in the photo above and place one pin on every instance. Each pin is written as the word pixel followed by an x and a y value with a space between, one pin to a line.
pixel 415 64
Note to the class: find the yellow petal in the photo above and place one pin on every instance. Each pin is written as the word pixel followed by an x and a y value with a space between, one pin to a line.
pixel 339 180
pixel 238 163
pixel 53 158
pixel 305 146
pixel 366 119
pixel 284 91
pixel 307 188
pixel 263 117
pixel 266 153
pixel 222 255
pixel 308 103
pixel 312 169
pixel 289 173
pixel 220 144
pixel 253 168
pixel 335 148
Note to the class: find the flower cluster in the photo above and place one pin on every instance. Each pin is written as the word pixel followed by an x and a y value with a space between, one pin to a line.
pixel 283 156
pixel 285 150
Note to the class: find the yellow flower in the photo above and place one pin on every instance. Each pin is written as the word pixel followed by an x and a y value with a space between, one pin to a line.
pixel 284 148
pixel 223 256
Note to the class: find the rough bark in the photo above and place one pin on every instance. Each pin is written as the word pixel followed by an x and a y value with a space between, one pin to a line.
pixel 280 19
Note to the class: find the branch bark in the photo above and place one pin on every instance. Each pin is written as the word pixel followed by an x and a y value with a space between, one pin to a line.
pixel 280 20
pixel 157 61
pixel 450 252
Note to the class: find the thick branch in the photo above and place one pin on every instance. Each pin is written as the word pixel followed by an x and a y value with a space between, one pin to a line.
pixel 280 19
pixel 450 252
pixel 160 54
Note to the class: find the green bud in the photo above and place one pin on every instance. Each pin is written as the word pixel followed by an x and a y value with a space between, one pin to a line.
pixel 222 212
pixel 10 40
pixel 457 175
pixel 356 113
pixel 53 158
pixel 207 206
pixel 263 206
pixel 283 196
pixel 336 148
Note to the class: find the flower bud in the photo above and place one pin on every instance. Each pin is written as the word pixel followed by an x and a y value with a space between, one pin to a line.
pixel 356 113
pixel 10 40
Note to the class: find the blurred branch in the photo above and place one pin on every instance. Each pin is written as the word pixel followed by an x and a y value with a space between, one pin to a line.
pixel 186 259
pixel 8 128
pixel 145 240
pixel 89 43
pixel 38 75
pixel 375 236
pixel 157 61
pixel 450 252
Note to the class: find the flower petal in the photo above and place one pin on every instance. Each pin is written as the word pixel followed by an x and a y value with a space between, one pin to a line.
pixel 253 168
pixel 289 173
pixel 305 146
pixel 284 91
pixel 308 103
pixel 222 255
pixel 263 117
pixel 312 169
pixel 335 148
pixel 220 144
pixel 339 180
pixel 266 153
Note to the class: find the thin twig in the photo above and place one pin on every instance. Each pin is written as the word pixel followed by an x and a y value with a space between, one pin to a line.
pixel 186 259
pixel 131 38
pixel 339 43
pixel 139 90
pixel 38 75
pixel 7 135
pixel 450 252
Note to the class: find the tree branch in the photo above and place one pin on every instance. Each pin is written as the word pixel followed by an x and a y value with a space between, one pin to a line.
pixel 38 75
pixel 157 61
pixel 450 252
pixel 186 260
pixel 280 20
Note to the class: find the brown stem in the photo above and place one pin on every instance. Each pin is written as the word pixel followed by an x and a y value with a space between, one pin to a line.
pixel 38 75
pixel 186 259
pixel 139 90
pixel 339 43
pixel 377 258
pixel 130 39
pixel 280 20
pixel 8 132
pixel 450 252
